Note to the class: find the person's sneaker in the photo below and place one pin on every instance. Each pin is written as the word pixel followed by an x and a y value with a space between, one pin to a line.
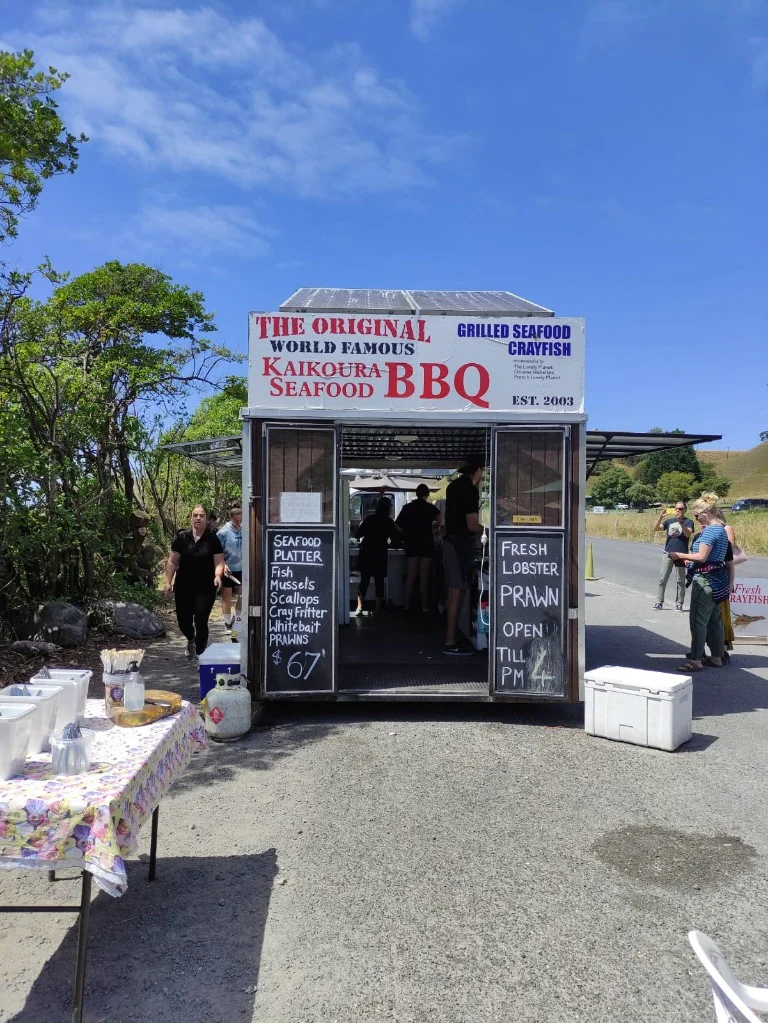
pixel 679 607
pixel 190 651
pixel 458 649
pixel 658 605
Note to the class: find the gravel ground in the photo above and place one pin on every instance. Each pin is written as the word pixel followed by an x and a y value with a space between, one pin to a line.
pixel 466 864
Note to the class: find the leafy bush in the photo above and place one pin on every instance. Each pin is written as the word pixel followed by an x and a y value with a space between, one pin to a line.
pixel 677 486
pixel 119 589
pixel 611 487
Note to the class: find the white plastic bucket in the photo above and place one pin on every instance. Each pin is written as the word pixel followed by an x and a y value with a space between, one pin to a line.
pixel 78 677
pixel 15 729
pixel 46 700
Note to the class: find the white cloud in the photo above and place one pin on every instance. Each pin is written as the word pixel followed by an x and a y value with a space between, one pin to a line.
pixel 191 91
pixel 192 232
pixel 426 13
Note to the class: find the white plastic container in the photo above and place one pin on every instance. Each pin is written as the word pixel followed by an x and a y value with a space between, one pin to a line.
pixel 67 704
pixel 217 659
pixel 227 708
pixel 647 708
pixel 46 700
pixel 15 729
pixel 78 677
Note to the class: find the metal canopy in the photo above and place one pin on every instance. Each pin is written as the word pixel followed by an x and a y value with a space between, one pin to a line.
pixel 417 448
pixel 377 447
pixel 612 444
pixel 435 303
pixel 222 452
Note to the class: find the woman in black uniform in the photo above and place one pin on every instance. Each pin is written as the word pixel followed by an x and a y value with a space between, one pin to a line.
pixel 197 562
pixel 375 532
pixel 418 521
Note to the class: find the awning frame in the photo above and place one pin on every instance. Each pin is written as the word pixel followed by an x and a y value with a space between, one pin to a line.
pixel 227 452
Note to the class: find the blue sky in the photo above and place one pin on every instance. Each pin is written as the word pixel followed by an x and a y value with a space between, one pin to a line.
pixel 605 158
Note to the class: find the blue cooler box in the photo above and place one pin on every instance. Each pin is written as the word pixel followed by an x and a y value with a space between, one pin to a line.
pixel 217 658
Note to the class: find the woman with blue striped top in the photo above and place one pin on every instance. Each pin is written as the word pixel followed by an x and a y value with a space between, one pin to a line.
pixel 710 586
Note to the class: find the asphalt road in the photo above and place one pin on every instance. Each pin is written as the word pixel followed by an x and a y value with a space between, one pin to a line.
pixel 636 565
pixel 424 863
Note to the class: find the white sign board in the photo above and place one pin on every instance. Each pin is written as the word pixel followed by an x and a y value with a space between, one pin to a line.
pixel 301 507
pixel 749 609
pixel 598 510
pixel 380 366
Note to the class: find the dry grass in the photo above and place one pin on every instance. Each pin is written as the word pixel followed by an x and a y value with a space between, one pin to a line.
pixel 747 470
pixel 751 528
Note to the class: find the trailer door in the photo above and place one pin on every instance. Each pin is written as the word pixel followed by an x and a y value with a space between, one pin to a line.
pixel 529 562
pixel 300 560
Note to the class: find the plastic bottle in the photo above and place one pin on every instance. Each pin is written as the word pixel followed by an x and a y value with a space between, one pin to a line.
pixel 133 696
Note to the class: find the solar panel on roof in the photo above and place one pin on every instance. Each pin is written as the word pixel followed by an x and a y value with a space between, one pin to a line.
pixel 483 302
pixel 371 300
pixel 377 300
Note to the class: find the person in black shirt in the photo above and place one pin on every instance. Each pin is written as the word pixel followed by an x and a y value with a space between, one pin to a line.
pixel 418 520
pixel 375 532
pixel 462 525
pixel 678 530
pixel 197 562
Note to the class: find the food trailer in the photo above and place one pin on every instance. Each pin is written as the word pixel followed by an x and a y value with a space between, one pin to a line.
pixel 394 380
pixel 344 381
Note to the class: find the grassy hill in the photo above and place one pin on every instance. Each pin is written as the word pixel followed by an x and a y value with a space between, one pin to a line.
pixel 747 470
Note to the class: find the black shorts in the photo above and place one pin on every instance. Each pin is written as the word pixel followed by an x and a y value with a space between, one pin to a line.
pixel 458 555
pixel 420 550
pixel 229 582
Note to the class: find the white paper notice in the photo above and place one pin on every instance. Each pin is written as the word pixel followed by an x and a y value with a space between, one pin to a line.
pixel 299 507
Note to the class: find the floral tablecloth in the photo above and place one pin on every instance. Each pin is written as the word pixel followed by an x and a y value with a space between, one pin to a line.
pixel 91 821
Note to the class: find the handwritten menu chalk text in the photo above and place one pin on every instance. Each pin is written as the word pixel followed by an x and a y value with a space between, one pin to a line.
pixel 529 596
pixel 299 611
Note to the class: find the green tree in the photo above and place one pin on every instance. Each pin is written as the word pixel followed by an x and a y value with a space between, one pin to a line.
pixel 611 487
pixel 641 495
pixel 655 465
pixel 712 482
pixel 676 486
pixel 172 484
pixel 34 143
pixel 87 372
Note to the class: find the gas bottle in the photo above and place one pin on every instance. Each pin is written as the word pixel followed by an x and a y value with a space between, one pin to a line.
pixel 227 708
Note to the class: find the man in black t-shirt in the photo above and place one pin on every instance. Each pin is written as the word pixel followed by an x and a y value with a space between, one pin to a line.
pixel 418 520
pixel 678 530
pixel 462 525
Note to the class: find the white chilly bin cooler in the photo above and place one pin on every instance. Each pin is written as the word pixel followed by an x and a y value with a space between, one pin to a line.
pixel 45 699
pixel 77 677
pixel 15 729
pixel 648 708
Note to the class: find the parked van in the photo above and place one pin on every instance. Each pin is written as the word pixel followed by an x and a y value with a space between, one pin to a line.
pixel 750 504
pixel 363 503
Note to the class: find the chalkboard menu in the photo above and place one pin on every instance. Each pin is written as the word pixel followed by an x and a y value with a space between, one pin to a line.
pixel 529 599
pixel 300 619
